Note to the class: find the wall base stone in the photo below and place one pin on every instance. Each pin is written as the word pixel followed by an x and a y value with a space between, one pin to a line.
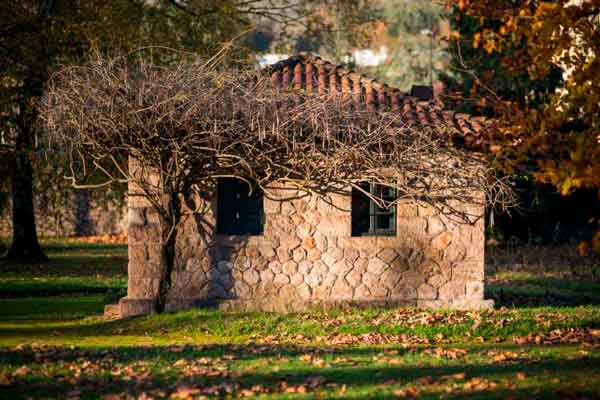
pixel 137 307
pixel 471 304
pixel 112 311
pixel 134 307
pixel 300 305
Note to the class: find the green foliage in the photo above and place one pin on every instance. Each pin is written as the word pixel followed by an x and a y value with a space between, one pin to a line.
pixel 330 28
pixel 410 17
pixel 531 65
pixel 38 36
pixel 335 29
pixel 413 35
pixel 481 77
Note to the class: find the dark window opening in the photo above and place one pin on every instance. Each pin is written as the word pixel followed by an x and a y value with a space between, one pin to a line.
pixel 239 212
pixel 369 219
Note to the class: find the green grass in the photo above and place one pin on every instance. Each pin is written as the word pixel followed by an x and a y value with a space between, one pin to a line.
pixel 55 343
pixel 74 269
pixel 529 289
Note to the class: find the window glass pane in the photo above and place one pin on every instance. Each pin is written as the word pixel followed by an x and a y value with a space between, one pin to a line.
pixel 385 192
pixel 367 217
pixel 361 209
pixel 384 222
pixel 382 210
pixel 238 213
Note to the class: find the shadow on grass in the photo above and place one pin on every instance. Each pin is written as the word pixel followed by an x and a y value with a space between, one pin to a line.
pixel 243 352
pixel 542 292
pixel 52 290
pixel 363 379
pixel 66 274
pixel 20 310
pixel 54 309
pixel 84 265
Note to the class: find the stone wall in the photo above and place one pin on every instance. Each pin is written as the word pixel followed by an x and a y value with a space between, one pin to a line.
pixel 74 213
pixel 307 257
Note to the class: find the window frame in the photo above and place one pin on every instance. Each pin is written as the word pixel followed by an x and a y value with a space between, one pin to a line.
pixel 374 212
pixel 253 204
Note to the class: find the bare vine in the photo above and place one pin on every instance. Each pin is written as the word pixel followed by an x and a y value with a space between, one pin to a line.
pixel 189 124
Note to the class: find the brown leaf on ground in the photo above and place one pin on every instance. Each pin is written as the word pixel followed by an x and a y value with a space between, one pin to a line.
pixel 458 376
pixel 478 383
pixel 372 338
pixel 425 381
pixel 21 371
pixel 561 336
pixel 112 396
pixel 410 391
pixel 315 381
pixel 344 360
pixel 246 393
pixel 74 394
pixel 500 356
pixel 5 380
pixel 294 389
pixel 441 352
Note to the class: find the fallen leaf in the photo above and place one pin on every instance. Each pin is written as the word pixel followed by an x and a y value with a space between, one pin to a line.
pixel 22 371
pixel 185 392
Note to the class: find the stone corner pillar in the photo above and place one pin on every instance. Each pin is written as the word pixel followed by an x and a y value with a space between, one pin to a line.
pixel 144 252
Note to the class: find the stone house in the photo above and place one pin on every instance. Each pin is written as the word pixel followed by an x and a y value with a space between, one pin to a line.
pixel 286 252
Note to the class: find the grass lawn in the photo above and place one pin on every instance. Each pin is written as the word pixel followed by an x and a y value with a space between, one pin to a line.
pixel 54 342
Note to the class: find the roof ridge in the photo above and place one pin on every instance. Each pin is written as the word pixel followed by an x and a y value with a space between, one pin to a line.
pixel 310 72
pixel 328 65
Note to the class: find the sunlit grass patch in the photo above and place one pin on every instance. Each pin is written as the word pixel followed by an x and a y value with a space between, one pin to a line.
pixel 73 270
pixel 55 343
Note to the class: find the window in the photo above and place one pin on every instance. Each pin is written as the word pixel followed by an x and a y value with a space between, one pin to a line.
pixel 238 211
pixel 367 217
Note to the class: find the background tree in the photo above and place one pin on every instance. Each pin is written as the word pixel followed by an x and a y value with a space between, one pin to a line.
pixel 38 35
pixel 534 66
pixel 6 154
pixel 406 34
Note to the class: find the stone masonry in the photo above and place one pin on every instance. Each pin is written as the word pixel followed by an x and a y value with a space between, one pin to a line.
pixel 306 258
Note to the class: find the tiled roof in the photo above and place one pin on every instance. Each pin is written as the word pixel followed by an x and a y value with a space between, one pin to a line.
pixel 315 75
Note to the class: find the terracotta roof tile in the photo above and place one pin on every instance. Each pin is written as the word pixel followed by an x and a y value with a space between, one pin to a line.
pixel 315 75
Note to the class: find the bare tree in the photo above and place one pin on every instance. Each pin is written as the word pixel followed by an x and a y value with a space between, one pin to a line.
pixel 185 126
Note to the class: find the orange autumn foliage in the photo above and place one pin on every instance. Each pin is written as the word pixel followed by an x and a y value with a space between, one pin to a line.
pixel 561 136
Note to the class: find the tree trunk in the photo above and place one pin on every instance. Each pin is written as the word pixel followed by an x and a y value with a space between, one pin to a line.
pixel 169 239
pixel 25 247
pixel 2 205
